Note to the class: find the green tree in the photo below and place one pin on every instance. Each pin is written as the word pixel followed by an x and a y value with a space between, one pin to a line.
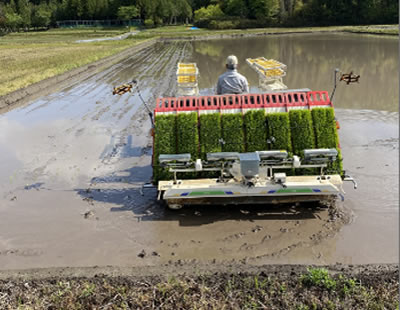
pixel 12 7
pixel 211 12
pixel 74 9
pixel 127 12
pixel 185 10
pixel 2 18
pixel 13 21
pixel 148 8
pixel 25 10
pixel 236 8
pixel 266 10
pixel 41 16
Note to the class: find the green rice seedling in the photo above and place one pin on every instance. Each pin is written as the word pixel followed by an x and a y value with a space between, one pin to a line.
pixel 210 133
pixel 188 134
pixel 301 131
pixel 187 137
pixel 324 127
pixel 326 135
pixel 279 134
pixel 164 143
pixel 337 165
pixel 302 134
pixel 279 131
pixel 255 130
pixel 232 132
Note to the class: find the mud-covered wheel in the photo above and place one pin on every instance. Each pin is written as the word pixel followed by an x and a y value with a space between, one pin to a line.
pixel 175 206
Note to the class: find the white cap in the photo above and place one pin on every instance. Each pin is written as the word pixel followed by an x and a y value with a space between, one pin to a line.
pixel 232 60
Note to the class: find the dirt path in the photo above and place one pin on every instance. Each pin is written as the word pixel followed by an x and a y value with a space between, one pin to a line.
pixel 74 162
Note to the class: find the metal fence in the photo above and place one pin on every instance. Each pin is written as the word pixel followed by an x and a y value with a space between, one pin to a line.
pixel 98 23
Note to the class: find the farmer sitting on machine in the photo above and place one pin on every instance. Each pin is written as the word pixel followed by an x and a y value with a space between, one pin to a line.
pixel 232 82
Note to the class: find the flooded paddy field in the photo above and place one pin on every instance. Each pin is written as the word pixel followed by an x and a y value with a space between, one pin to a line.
pixel 74 162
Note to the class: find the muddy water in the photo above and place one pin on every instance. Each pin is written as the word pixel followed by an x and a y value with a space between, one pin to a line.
pixel 73 164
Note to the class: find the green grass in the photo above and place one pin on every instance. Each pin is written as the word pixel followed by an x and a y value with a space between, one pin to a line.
pixel 29 57
pixel 318 277
pixel 315 289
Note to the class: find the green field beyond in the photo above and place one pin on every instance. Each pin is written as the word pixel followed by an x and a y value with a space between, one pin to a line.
pixel 29 57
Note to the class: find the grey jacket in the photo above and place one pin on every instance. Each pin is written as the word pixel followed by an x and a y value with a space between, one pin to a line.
pixel 232 82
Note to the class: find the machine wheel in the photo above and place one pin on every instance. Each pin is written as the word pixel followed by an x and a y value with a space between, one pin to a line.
pixel 174 206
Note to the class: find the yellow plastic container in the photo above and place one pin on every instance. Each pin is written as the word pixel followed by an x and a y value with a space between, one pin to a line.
pixel 187 79
pixel 187 73
pixel 265 64
pixel 191 71
pixel 187 69
pixel 274 73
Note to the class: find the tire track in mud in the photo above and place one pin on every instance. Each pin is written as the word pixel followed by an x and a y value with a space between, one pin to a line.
pixel 138 124
pixel 100 113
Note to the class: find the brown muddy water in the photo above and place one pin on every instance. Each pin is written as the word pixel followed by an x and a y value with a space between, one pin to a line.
pixel 73 163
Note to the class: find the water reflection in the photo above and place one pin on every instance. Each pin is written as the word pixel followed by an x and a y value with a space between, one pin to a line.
pixel 311 59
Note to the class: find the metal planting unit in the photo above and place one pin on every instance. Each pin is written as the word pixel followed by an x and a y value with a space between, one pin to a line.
pixel 214 156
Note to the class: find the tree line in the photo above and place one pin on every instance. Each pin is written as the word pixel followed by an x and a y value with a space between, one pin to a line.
pixel 218 14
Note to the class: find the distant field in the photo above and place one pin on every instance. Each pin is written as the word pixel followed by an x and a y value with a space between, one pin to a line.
pixel 187 31
pixel 29 57
pixel 26 58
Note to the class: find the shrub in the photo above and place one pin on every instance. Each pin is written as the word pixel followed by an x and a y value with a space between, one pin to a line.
pixel 232 132
pixel 255 130
pixel 222 24
pixel 279 131
pixel 164 143
pixel 148 23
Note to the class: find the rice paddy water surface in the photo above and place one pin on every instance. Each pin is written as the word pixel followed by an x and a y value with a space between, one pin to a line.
pixel 73 163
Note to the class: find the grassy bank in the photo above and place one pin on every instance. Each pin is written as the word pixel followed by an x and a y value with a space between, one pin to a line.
pixel 316 288
pixel 26 58
pixel 173 31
